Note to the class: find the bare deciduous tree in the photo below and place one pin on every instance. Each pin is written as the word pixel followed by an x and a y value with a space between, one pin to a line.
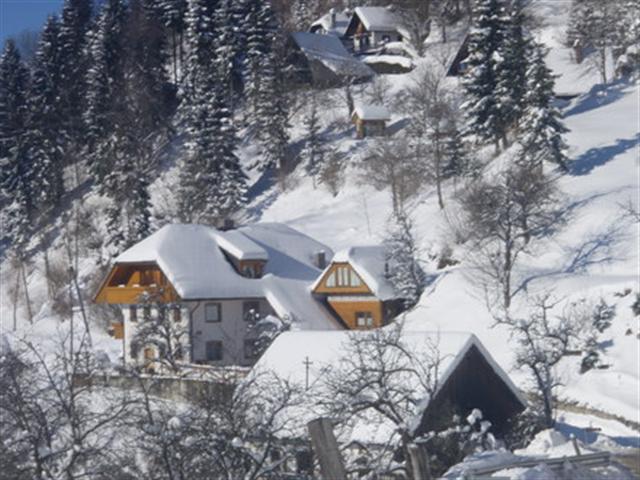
pixel 392 164
pixel 502 215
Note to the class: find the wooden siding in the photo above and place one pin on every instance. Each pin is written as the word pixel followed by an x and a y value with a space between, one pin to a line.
pixel 126 283
pixel 118 330
pixel 347 309
pixel 369 128
pixel 336 290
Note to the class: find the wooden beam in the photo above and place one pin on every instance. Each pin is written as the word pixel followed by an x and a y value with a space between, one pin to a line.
pixel 326 448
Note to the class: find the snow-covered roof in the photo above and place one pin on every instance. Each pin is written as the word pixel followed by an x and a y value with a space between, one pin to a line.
pixel 372 112
pixel 330 51
pixel 378 18
pixel 369 264
pixel 191 258
pixel 240 246
pixel 337 27
pixel 288 354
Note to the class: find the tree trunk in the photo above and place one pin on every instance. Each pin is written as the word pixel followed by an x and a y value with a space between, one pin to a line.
pixel 26 290
pixel 507 277
pixel 438 172
pixel 175 56
pixel 15 303
pixel 47 273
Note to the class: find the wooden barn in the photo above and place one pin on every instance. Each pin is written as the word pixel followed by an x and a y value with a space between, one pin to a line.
pixel 370 120
pixel 323 62
pixel 466 378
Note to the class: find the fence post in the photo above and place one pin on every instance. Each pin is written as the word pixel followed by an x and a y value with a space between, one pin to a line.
pixel 419 462
pixel 326 448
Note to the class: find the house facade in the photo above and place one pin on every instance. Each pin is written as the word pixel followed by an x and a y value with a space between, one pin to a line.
pixel 354 286
pixel 374 27
pixel 207 289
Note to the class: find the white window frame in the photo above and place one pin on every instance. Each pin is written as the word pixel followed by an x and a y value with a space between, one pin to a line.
pixel 218 308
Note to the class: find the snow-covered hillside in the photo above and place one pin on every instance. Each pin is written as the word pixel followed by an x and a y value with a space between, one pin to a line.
pixel 595 255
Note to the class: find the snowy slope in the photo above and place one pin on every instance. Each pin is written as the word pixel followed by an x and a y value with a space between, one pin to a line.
pixel 595 255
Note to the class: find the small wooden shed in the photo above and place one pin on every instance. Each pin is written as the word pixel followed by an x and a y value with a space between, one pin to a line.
pixel 370 120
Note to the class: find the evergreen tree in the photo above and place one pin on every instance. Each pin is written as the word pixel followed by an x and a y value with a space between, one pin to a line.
pixel 515 50
pixel 487 104
pixel 212 185
pixel 541 125
pixel 226 47
pixel 173 14
pixel 106 88
pixel 313 152
pixel 455 158
pixel 18 178
pixel 402 258
pixel 74 25
pixel 46 114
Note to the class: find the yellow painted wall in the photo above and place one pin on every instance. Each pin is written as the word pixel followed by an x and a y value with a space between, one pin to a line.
pixel 346 310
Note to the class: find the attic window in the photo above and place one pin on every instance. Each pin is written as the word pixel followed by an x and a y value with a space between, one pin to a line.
pixel 343 277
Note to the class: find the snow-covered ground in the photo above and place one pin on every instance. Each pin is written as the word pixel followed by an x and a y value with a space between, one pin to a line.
pixel 595 255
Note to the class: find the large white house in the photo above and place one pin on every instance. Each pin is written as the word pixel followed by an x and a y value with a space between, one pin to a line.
pixel 205 288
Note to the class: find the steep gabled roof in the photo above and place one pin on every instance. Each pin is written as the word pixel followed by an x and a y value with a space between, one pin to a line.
pixel 337 28
pixel 372 112
pixel 330 51
pixel 378 18
pixel 191 258
pixel 369 264
pixel 290 351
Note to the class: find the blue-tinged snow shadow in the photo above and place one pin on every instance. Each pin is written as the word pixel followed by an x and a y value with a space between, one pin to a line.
pixel 589 437
pixel 596 157
pixel 599 96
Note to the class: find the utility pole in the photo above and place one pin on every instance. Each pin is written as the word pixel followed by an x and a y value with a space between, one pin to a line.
pixel 307 363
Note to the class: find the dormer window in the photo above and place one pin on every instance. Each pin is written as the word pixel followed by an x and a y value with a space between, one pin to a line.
pixel 343 276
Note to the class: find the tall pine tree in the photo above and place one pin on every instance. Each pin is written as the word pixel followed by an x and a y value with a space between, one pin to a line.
pixel 46 112
pixel 542 125
pixel 18 177
pixel 486 104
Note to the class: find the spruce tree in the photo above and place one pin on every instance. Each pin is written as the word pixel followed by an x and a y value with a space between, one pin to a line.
pixel 403 260
pixel 106 88
pixel 313 152
pixel 173 14
pixel 542 125
pixel 486 104
pixel 74 25
pixel 46 113
pixel 512 79
pixel 212 185
pixel 18 180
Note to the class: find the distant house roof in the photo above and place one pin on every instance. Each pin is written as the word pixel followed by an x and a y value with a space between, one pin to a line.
pixel 323 351
pixel 372 112
pixel 337 27
pixel 369 264
pixel 378 18
pixel 329 50
pixel 191 258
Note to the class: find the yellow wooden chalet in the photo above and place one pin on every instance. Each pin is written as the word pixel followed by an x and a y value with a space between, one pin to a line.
pixel 355 287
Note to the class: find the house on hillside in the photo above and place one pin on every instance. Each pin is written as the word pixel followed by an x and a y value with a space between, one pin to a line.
pixel 466 378
pixel 355 288
pixel 211 283
pixel 370 120
pixel 373 27
pixel 457 66
pixel 332 23
pixel 323 61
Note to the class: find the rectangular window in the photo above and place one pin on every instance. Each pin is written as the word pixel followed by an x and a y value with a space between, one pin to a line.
pixel 133 350
pixel 250 310
pixel 162 312
pixel 343 276
pixel 331 280
pixel 214 350
pixel 146 311
pixel 177 314
pixel 133 314
pixel 212 312
pixel 250 348
pixel 364 319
